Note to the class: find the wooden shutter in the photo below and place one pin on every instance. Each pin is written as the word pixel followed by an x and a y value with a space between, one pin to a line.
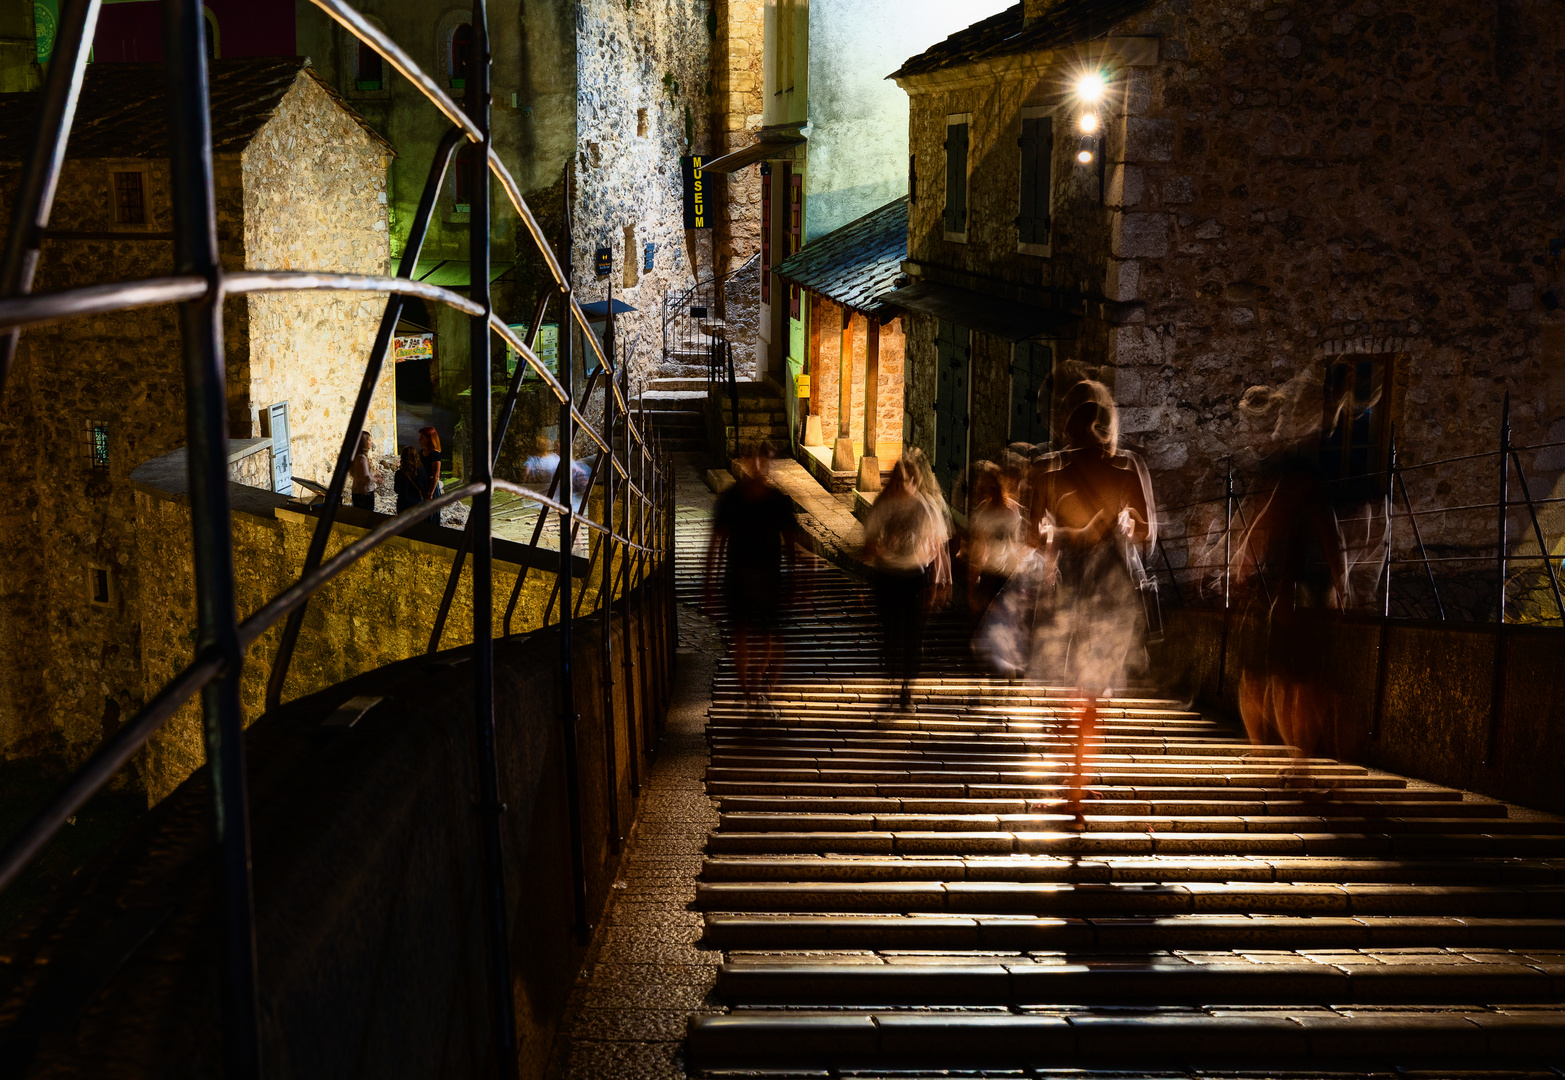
pixel 1032 380
pixel 795 232
pixel 956 178
pixel 1037 146
pixel 951 406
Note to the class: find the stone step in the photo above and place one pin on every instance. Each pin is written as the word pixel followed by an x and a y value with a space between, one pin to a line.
pixel 1090 844
pixel 1344 804
pixel 1136 869
pixel 1337 980
pixel 927 1040
pixel 1094 823
pixel 1108 934
pixel 1114 898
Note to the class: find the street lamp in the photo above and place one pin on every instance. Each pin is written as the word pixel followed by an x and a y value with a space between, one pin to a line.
pixel 1090 88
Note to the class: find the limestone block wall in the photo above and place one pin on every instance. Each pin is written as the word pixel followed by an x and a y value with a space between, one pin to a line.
pixel 315 199
pixel 825 384
pixel 738 53
pixel 380 610
pixel 645 98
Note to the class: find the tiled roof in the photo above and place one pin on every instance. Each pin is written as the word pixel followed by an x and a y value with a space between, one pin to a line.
pixel 123 111
pixel 856 263
pixel 1067 22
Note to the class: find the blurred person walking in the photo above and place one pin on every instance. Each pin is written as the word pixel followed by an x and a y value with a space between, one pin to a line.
pixel 995 543
pixel 407 482
pixel 364 474
pixel 430 461
pixel 906 546
pixel 753 532
pixel 1093 509
pixel 1291 559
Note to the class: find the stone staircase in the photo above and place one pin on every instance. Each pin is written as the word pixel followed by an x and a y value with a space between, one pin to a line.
pixel 901 896
pixel 762 417
pixel 674 409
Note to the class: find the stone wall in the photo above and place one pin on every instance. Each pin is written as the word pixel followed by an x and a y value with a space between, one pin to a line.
pixel 1273 201
pixel 737 79
pixel 645 100
pixel 315 199
pixel 825 384
pixel 378 611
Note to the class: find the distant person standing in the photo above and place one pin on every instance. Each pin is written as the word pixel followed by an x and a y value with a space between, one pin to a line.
pixel 753 529
pixel 362 472
pixel 407 482
pixel 906 542
pixel 430 460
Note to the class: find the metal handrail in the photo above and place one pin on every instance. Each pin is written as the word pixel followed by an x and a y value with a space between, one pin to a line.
pixel 199 286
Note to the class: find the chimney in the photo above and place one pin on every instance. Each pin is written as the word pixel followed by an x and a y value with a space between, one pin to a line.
pixel 1033 10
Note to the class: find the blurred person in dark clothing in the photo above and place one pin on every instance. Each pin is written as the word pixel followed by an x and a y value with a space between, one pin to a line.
pixel 407 482
pixel 753 533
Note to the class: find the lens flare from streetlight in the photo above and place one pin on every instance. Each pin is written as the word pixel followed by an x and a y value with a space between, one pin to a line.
pixel 1088 122
pixel 1090 86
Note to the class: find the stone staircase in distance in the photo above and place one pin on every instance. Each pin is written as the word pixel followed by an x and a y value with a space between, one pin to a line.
pixel 675 411
pixel 762 418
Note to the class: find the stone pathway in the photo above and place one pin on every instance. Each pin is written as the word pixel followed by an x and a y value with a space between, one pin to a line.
pixel 859 895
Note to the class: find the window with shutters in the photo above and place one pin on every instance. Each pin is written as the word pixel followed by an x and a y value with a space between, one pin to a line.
pixel 957 128
pixel 953 352
pixel 1032 391
pixel 130 198
pixel 1035 195
pixel 1355 432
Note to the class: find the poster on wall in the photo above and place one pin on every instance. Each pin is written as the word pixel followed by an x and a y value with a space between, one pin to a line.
pixel 412 347
pixel 699 210
pixel 547 347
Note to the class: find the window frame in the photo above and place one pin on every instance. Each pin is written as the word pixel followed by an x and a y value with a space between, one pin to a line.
pixel 958 120
pixel 1377 449
pixel 97 462
pixel 352 57
pixel 114 168
pixel 1046 249
pixel 1045 389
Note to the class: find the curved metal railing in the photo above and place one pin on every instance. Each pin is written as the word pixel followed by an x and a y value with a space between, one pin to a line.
pixel 633 476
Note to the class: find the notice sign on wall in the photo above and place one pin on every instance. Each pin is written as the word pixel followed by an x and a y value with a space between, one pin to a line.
pixel 412 347
pixel 603 261
pixel 698 209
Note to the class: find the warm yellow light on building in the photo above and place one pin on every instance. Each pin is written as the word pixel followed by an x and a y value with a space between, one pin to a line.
pixel 1084 156
pixel 1088 122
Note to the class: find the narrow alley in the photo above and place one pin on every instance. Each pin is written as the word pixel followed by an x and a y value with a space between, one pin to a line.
pixel 852 896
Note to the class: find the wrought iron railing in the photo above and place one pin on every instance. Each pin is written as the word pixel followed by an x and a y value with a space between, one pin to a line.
pixel 636 485
pixel 1206 537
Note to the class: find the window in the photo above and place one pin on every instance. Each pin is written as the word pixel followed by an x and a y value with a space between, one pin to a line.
pixel 1037 147
pixel 952 352
pixel 795 232
pixel 956 177
pixel 130 198
pixel 912 178
pixel 97 445
pixel 641 123
pixel 371 69
pixel 1354 429
pixel 98 584
pixel 1032 391
pixel 461 55
pixel 766 234
pixel 462 180
pixel 629 279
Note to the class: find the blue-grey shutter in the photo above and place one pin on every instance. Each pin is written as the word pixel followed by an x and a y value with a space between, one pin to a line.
pixel 956 178
pixel 1037 146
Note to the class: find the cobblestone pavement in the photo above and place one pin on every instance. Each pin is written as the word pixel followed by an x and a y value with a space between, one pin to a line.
pixel 840 891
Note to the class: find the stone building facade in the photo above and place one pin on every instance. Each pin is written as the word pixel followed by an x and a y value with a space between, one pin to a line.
pixel 1281 196
pixel 300 183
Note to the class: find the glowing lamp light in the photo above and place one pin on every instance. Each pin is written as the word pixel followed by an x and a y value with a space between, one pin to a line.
pixel 1084 156
pixel 1088 122
pixel 1090 86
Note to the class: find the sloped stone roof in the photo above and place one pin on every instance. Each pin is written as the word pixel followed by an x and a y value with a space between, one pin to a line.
pixel 1065 23
pixel 123 110
pixel 853 265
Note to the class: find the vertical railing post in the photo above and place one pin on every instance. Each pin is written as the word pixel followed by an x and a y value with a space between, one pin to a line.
pixel 1228 565
pixel 480 469
pixel 1382 658
pixel 567 518
pixel 1537 532
pixel 1502 541
pixel 206 427
pixel 606 584
pixel 627 654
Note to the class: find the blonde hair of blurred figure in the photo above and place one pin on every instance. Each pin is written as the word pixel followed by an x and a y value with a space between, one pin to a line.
pixel 1105 425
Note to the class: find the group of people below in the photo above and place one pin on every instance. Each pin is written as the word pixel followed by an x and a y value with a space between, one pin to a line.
pixel 416 480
